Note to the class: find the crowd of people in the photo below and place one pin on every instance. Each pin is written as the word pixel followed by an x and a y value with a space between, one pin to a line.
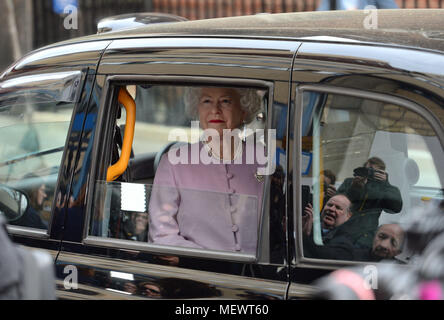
pixel 350 218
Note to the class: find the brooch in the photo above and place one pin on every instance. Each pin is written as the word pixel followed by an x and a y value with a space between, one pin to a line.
pixel 210 150
pixel 259 178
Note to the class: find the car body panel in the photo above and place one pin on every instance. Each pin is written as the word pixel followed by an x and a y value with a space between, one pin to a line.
pixel 420 28
pixel 100 275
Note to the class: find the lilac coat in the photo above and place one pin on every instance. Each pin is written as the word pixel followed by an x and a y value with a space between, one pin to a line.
pixel 210 206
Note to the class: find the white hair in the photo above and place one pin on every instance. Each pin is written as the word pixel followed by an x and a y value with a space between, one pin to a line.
pixel 250 101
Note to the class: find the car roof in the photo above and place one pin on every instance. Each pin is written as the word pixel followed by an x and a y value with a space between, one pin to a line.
pixel 420 28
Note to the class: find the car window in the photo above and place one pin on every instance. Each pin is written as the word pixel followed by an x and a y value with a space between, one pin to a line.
pixel 368 168
pixel 35 114
pixel 181 187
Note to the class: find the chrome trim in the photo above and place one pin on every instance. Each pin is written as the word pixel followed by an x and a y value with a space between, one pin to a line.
pixel 205 42
pixel 187 80
pixel 135 20
pixel 431 61
pixel 87 54
pixel 325 264
pixel 181 251
pixel 297 149
pixel 230 286
pixel 27 232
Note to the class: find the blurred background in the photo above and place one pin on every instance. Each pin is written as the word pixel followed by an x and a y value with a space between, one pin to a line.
pixel 31 24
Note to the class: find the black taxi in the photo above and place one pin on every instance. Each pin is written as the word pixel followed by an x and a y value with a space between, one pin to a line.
pixel 344 99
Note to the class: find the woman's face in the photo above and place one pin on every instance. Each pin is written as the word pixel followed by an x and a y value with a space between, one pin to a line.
pixel 219 109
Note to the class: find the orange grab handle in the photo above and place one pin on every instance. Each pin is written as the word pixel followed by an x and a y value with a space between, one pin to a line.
pixel 120 166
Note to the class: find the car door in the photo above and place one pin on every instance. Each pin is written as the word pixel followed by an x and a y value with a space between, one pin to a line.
pixel 44 98
pixel 36 118
pixel 153 76
pixel 366 108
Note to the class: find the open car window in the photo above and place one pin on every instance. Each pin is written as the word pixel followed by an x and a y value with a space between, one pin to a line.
pixel 196 195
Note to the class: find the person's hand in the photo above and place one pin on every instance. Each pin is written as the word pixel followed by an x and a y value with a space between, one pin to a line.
pixel 380 175
pixel 169 260
pixel 307 220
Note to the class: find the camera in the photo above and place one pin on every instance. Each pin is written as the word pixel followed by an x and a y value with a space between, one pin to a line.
pixel 364 172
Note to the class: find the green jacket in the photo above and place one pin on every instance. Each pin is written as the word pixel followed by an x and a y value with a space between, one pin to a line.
pixel 367 205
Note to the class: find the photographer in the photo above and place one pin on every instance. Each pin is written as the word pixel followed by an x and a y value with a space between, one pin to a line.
pixel 370 193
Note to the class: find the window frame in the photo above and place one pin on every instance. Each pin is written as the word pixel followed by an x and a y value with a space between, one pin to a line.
pixel 433 121
pixel 55 82
pixel 106 116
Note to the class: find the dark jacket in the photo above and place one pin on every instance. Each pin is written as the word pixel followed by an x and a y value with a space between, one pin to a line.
pixel 31 218
pixel 367 205
pixel 338 243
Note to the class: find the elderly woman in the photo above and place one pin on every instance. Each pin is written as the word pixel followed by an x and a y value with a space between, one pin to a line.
pixel 211 204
